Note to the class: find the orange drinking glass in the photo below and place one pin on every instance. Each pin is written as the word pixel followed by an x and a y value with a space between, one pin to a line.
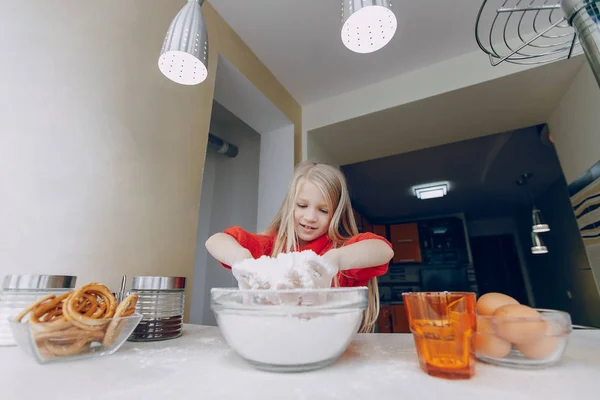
pixel 443 325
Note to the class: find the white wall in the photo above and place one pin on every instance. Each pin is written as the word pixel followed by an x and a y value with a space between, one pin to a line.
pixel 246 190
pixel 575 128
pixel 275 171
pixel 316 152
pixel 100 154
pixel 452 74
pixel 238 95
pixel 202 258
pixel 234 91
pixel 232 186
pixel 575 125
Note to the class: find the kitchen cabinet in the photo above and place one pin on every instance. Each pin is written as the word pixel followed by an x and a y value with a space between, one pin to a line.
pixel 393 319
pixel 400 319
pixel 401 274
pixel 362 223
pixel 444 241
pixel 439 242
pixel 384 320
pixel 380 230
pixel 405 242
pixel 359 220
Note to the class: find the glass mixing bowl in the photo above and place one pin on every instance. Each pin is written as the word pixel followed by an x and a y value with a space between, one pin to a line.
pixel 523 342
pixel 289 330
pixel 49 342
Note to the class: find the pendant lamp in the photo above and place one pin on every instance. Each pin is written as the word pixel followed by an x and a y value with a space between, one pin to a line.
pixel 184 54
pixel 367 25
pixel 537 245
pixel 538 225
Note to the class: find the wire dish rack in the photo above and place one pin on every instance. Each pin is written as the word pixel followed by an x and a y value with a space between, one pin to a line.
pixel 531 32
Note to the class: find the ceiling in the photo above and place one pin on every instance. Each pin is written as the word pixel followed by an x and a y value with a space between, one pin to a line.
pixel 482 173
pixel 511 102
pixel 422 141
pixel 299 41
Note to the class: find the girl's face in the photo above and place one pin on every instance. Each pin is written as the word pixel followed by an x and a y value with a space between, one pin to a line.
pixel 311 213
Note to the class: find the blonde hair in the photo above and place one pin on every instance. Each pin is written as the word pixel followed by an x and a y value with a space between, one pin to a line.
pixel 332 183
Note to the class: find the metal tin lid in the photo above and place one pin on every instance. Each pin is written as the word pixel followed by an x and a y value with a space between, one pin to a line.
pixel 158 283
pixel 39 282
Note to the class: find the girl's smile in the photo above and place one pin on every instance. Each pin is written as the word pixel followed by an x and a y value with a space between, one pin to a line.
pixel 311 213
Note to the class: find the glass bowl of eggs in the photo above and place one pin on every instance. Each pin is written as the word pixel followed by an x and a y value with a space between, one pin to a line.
pixel 513 335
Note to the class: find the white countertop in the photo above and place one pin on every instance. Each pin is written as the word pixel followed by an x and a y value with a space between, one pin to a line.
pixel 200 366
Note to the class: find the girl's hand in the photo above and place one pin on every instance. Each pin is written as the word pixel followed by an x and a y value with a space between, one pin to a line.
pixel 241 255
pixel 319 273
pixel 244 280
pixel 249 280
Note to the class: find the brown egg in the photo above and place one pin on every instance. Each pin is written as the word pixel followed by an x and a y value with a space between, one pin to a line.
pixel 487 343
pixel 542 348
pixel 490 302
pixel 510 328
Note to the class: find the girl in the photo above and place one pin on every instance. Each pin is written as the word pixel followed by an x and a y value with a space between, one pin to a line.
pixel 315 215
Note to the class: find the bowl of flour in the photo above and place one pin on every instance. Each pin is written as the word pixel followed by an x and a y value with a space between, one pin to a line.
pixel 289 330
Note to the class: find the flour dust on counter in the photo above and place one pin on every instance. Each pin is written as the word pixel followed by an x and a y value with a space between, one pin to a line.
pixel 200 365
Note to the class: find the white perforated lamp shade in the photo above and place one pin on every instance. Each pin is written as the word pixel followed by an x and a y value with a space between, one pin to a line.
pixel 368 25
pixel 184 54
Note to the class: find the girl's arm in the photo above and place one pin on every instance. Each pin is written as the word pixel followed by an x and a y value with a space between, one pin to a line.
pixel 363 254
pixel 225 249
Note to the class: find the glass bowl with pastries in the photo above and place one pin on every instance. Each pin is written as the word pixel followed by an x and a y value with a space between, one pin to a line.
pixel 84 322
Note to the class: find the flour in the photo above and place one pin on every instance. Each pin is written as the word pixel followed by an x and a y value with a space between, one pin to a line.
pixel 290 340
pixel 291 334
pixel 287 271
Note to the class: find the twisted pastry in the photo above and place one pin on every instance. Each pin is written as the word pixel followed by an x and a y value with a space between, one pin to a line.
pixel 68 324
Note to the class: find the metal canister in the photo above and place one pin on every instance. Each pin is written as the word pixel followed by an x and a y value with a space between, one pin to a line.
pixel 19 291
pixel 161 302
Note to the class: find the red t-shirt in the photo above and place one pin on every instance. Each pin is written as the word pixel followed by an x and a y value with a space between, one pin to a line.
pixel 260 245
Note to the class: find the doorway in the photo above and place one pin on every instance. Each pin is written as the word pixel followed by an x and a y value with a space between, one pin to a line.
pixel 243 188
pixel 497 266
